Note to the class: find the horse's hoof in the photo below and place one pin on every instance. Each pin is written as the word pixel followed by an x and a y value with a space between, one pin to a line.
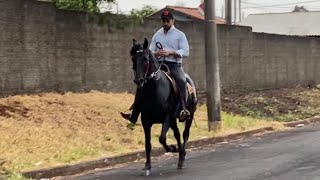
pixel 181 165
pixel 173 149
pixel 147 167
pixel 184 116
pixel 148 172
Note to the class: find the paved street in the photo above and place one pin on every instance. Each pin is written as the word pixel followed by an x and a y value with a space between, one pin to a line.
pixel 292 155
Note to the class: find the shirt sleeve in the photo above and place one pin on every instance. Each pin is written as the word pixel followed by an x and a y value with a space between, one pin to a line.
pixel 153 47
pixel 183 46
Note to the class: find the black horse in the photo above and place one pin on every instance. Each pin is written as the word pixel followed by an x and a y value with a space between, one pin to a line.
pixel 159 102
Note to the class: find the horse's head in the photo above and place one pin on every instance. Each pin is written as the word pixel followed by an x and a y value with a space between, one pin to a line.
pixel 141 61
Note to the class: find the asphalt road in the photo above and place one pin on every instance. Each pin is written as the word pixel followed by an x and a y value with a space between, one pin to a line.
pixel 292 155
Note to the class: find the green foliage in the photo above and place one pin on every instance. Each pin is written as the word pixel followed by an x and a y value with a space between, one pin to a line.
pixel 130 126
pixel 114 22
pixel 251 112
pixel 120 21
pixel 142 13
pixel 15 176
pixel 80 5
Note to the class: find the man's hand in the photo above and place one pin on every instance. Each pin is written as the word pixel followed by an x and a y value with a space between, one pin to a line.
pixel 165 53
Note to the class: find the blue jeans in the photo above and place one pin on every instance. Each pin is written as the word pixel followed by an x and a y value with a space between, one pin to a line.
pixel 180 78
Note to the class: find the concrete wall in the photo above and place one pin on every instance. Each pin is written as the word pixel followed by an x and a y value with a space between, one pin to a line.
pixel 45 49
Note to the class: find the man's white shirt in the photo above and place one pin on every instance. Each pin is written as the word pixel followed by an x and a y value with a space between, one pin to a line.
pixel 173 40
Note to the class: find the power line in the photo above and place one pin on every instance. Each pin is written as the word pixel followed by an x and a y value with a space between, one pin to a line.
pixel 275 5
pixel 281 4
pixel 280 7
pixel 250 3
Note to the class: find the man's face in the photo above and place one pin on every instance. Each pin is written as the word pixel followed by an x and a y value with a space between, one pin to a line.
pixel 167 23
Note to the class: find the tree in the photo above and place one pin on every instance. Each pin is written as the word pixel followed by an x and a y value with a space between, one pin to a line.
pixel 81 5
pixel 138 15
pixel 300 9
pixel 144 12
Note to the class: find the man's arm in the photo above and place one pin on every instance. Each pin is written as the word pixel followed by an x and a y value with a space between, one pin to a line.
pixel 183 47
pixel 183 50
pixel 153 47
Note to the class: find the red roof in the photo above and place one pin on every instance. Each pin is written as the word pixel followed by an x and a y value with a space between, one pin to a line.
pixel 194 13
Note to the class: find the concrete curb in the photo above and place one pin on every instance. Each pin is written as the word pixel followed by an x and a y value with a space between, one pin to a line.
pixel 315 119
pixel 77 168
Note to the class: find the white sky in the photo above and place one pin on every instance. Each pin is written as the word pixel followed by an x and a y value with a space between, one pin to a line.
pixel 248 6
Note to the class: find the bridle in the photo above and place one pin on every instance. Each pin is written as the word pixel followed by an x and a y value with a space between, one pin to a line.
pixel 153 74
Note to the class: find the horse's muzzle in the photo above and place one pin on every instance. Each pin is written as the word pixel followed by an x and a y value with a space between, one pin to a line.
pixel 139 82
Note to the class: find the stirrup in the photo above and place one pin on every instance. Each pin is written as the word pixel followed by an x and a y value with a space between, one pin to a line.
pixel 184 115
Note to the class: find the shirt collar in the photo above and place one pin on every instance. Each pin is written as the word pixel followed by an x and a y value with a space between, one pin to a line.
pixel 171 29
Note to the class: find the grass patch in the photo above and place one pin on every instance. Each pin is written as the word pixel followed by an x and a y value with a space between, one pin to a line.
pixel 14 176
pixel 280 104
pixel 68 156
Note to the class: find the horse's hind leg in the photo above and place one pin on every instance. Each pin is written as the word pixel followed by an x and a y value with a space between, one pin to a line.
pixel 186 133
pixel 181 149
pixel 163 137
pixel 192 108
pixel 147 132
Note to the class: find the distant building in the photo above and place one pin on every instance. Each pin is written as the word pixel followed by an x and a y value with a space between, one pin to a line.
pixel 186 14
pixel 305 23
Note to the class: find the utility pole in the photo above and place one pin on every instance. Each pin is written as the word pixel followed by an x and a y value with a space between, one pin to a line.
pixel 222 12
pixel 240 14
pixel 235 11
pixel 228 6
pixel 212 67
pixel 117 7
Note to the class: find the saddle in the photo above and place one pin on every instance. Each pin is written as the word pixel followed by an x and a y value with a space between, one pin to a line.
pixel 190 89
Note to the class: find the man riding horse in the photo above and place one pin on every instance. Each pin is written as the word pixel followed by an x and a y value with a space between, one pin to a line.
pixel 173 48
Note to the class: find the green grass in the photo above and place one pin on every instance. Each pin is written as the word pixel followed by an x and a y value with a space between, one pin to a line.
pixel 68 156
pixel 15 176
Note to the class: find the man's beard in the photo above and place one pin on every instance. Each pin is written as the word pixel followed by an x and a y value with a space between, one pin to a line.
pixel 166 28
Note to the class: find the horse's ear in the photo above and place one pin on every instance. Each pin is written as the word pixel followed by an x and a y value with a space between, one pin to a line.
pixel 134 42
pixel 145 44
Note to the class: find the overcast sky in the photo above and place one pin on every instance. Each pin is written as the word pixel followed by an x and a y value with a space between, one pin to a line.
pixel 248 6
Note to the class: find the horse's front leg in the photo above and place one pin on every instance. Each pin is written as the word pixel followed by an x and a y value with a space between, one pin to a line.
pixel 147 133
pixel 180 147
pixel 163 136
